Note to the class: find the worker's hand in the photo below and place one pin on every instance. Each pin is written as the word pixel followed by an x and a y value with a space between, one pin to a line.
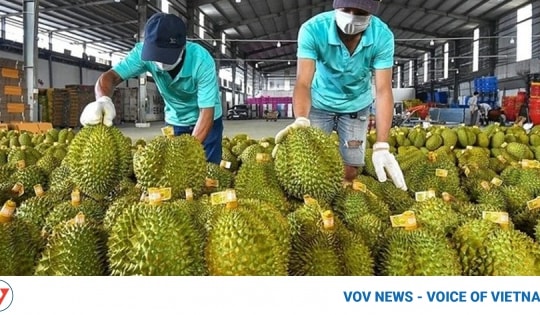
pixel 384 162
pixel 300 122
pixel 100 111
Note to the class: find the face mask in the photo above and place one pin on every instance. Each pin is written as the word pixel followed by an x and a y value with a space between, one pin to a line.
pixel 352 24
pixel 166 67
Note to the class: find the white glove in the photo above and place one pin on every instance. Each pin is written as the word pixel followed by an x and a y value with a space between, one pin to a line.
pixel 385 162
pixel 299 122
pixel 100 111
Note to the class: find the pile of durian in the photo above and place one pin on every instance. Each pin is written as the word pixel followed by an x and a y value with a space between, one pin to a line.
pixel 94 202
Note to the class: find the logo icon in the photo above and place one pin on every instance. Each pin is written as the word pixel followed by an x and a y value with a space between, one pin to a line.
pixel 6 295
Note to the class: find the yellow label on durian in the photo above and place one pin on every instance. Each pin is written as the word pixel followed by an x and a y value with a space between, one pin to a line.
pixel 328 220
pixel 485 185
pixel 308 200
pixel 8 209
pixel 469 147
pixel 225 164
pixel 75 197
pixel 21 164
pixel 530 164
pixel 165 193
pixel 533 204
pixel 359 186
pixel 501 158
pixel 406 220
pixel 38 190
pixel 496 217
pixel 262 157
pixel 189 194
pixel 144 197
pixel 504 145
pixel 447 197
pixel 496 181
pixel 265 144
pixel 18 189
pixel 167 131
pixel 79 218
pixel 223 197
pixel 211 183
pixel 424 195
pixel 429 134
pixel 441 172
pixel 154 196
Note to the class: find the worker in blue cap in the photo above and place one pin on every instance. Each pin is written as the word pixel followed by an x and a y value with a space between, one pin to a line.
pixel 185 75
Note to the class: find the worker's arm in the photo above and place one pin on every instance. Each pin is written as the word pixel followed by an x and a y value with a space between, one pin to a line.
pixel 106 83
pixel 302 89
pixel 207 97
pixel 204 124
pixel 384 103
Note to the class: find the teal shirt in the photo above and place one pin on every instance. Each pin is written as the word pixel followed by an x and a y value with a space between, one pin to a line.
pixel 342 82
pixel 195 86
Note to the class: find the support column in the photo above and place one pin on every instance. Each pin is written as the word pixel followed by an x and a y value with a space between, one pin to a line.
pixel 233 70
pixel 245 80
pixel 30 52
pixel 456 72
pixel 191 11
pixel 142 97
pixel 49 61
pixel 431 73
pixel 3 27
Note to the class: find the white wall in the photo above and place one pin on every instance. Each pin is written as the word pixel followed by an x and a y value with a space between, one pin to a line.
pixel 63 74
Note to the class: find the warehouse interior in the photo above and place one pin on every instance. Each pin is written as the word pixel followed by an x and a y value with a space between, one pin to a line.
pixel 439 194
pixel 443 49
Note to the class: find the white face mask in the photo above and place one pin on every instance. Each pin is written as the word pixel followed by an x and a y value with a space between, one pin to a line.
pixel 166 67
pixel 352 24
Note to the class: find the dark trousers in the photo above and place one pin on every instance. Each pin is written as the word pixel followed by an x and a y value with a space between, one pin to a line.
pixel 212 143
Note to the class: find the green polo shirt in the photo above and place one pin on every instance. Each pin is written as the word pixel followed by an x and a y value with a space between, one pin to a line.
pixel 342 82
pixel 193 88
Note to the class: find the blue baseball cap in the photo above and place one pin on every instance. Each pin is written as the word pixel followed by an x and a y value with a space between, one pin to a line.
pixel 164 38
pixel 370 6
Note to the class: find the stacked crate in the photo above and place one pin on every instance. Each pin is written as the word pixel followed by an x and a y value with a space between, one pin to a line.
pixel 118 106
pixel 12 90
pixel 79 97
pixel 58 105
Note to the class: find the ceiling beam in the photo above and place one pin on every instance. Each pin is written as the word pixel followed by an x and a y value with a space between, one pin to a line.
pixel 279 67
pixel 237 23
pixel 417 9
pixel 69 29
pixel 105 40
pixel 415 47
pixel 62 7
pixel 257 51
pixel 198 3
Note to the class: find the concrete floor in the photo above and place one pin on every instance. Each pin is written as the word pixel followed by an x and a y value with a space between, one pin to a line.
pixel 256 128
